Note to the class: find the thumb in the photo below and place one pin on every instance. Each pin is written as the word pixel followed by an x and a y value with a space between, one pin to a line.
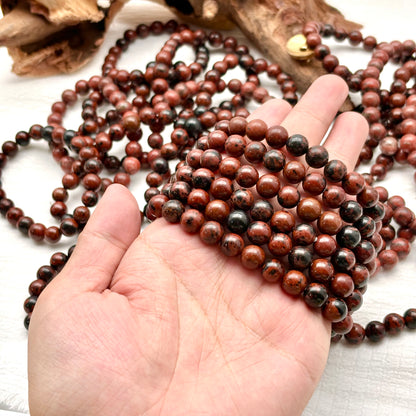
pixel 113 226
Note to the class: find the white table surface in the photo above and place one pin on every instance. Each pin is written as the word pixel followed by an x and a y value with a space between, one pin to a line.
pixel 367 380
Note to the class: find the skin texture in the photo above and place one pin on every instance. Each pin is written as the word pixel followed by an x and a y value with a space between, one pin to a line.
pixel 158 323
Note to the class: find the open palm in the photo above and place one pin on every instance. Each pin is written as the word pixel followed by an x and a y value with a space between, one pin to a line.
pixel 159 323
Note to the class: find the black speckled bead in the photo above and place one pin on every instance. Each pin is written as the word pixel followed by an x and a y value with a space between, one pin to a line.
pixel 274 160
pixel 232 244
pixel 366 226
pixel 317 157
pixel 348 237
pixel 273 271
pixel 297 145
pixel 375 331
pixel 335 170
pixel 315 295
pixel 172 211
pixel 343 259
pixel 303 235
pixel 211 232
pixel 350 211
pixel 300 258
pixel 258 232
pixel 238 222
pixel 242 199
pixel 261 210
pixel 334 309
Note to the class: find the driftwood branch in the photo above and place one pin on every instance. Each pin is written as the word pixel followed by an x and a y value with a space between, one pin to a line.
pixel 64 34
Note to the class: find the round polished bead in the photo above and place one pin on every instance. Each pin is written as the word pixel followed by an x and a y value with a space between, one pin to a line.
pixel 303 235
pixel 297 145
pixel 247 176
pixel 268 186
pixel 198 199
pixel 365 252
pixel 366 226
pixel 342 285
pixel 172 211
pixel 375 331
pixel 334 309
pixel 300 258
pixel 229 167
pixel 348 237
pixel 29 304
pixel 294 282
pixel 356 335
pixel 36 287
pixel 329 223
pixel 192 220
pixel 344 326
pixel 217 210
pixel 256 130
pixel 317 157
pixel 37 232
pixel 321 270
pixel 325 245
pixel 261 210
pixel 282 222
pixel 276 136
pixel 211 232
pixel 333 196
pixel 335 171
pixel 314 183
pixel 309 209
pixel 350 211
pixel 69 226
pixel 259 232
pixel 232 244
pixel 393 323
pixel 242 199
pixel 273 270
pixel 280 244
pixel 288 196
pixel 274 160
pixel 410 318
pixel 353 183
pixel 343 259
pixel 315 295
pixel 24 224
pixel 202 178
pixel 238 222
pixel 354 301
pixel 252 257
pixel 294 171
pixel 254 152
pixel 401 246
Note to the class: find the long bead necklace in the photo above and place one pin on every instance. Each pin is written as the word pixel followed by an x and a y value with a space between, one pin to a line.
pixel 342 231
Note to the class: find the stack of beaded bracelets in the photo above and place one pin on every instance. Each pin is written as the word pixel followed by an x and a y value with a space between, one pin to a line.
pixel 213 193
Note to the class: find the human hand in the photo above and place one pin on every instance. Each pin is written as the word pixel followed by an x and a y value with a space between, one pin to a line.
pixel 159 323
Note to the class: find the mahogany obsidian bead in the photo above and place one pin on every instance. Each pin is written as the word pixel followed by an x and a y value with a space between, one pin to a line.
pixel 393 323
pixel 317 157
pixel 297 145
pixel 276 136
pixel 288 196
pixel 294 282
pixel 259 232
pixel 334 309
pixel 350 211
pixel 329 223
pixel 282 222
pixel 309 209
pixel 325 245
pixel 344 326
pixel 303 235
pixel 356 335
pixel 211 232
pixel 294 171
pixel 342 285
pixel 333 196
pixel 30 303
pixel 274 160
pixel 202 178
pixel 242 199
pixel 69 226
pixel 314 183
pixel 366 226
pixel 343 259
pixel 353 183
pixel 253 257
pixel 172 211
pixel 335 171
pixel 365 252
pixel 375 331
pixel 36 287
pixel 217 210
pixel 354 301
pixel 280 244
pixel 238 222
pixel 261 210
pixel 232 244
pixel 273 270
pixel 300 258
pixel 348 237
pixel 192 220
pixel 321 270
pixel 315 295
pixel 410 318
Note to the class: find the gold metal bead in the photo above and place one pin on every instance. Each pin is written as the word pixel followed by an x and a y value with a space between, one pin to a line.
pixel 298 49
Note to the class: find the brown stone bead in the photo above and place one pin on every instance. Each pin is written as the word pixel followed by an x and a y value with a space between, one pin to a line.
pixel 280 244
pixel 294 171
pixel 333 196
pixel 401 246
pixel 303 235
pixel 334 310
pixel 343 260
pixel 273 270
pixel 24 224
pixel 52 234
pixel 268 186
pixel 314 183
pixel 69 226
pixel 330 223
pixel 294 282
pixel 232 244
pixel 202 178
pixel 180 190
pixel 282 222
pixel 325 245
pixel 288 196
pixel 37 232
pixel 342 285
pixel 13 215
pixel 242 199
pixel 211 232
pixel 393 323
pixel 315 295
pixel 335 171
pixel 253 257
pixel 229 167
pixel 256 130
pixel 234 145
pixel 247 176
pixel 210 159
pixel 254 152
pixel 356 335
pixel 261 210
pixel 274 160
pixel 321 270
pixel 217 210
pixel 36 287
pixel 309 209
pixel 353 183
pixel 388 259
pixel 81 215
pixel 238 126
pixel 192 220
pixel 344 326
pixel 403 216
pixel 276 137
pixel 259 232
pixel 375 331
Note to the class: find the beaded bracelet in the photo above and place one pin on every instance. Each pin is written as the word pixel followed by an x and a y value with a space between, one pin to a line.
pixel 341 233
